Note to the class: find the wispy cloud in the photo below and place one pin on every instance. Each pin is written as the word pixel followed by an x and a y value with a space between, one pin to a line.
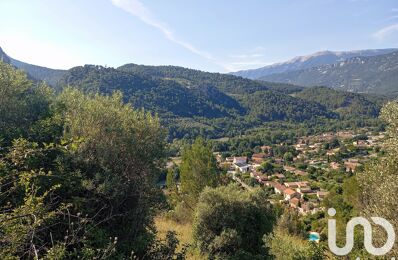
pixel 394 10
pixel 386 31
pixel 139 10
pixel 236 62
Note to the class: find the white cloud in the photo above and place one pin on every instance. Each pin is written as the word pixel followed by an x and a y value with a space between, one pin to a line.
pixel 386 31
pixel 139 10
pixel 394 10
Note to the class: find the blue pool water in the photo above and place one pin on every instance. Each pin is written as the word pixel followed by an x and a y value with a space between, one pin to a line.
pixel 314 236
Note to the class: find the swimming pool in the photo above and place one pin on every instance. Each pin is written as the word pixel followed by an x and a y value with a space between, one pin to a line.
pixel 314 236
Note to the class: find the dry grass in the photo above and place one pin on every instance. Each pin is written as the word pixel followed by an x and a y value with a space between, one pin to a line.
pixel 184 231
pixel 184 234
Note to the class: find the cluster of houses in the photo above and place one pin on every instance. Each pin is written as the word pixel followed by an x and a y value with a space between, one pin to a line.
pixel 299 195
pixel 294 194
pixel 309 146
pixel 241 164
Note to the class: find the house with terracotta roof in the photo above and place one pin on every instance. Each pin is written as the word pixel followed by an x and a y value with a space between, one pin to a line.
pixel 304 190
pixel 242 159
pixel 291 185
pixel 296 184
pixel 259 157
pixel 278 188
pixel 290 194
pixel 295 203
pixel 262 178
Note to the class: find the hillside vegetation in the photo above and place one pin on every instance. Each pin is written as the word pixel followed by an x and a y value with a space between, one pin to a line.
pixel 344 103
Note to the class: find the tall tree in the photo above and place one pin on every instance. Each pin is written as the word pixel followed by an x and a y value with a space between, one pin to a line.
pixel 21 103
pixel 121 152
pixel 230 222
pixel 198 169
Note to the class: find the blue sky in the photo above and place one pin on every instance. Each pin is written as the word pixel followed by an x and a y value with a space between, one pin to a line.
pixel 211 35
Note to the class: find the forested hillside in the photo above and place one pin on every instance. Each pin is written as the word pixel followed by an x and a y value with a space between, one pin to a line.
pixel 187 99
pixel 344 103
pixel 166 97
pixel 226 83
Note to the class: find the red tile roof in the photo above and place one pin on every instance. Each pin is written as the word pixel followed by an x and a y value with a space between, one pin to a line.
pixel 289 191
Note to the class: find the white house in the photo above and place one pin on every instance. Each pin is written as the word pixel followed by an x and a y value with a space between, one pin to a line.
pixel 242 167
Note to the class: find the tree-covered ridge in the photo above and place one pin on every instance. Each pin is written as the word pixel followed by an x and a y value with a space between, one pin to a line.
pixel 226 83
pixel 344 103
pixel 176 92
pixel 191 102
pixel 377 74
pixel 166 97
pixel 273 106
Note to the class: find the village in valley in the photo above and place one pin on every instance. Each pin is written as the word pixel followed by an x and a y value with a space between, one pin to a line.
pixel 309 169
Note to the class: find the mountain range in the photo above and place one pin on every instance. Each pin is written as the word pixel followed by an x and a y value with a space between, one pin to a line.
pixel 309 61
pixel 374 74
pixel 363 71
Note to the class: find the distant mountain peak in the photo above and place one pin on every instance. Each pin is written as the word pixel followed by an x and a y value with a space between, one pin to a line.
pixel 319 58
pixel 364 74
